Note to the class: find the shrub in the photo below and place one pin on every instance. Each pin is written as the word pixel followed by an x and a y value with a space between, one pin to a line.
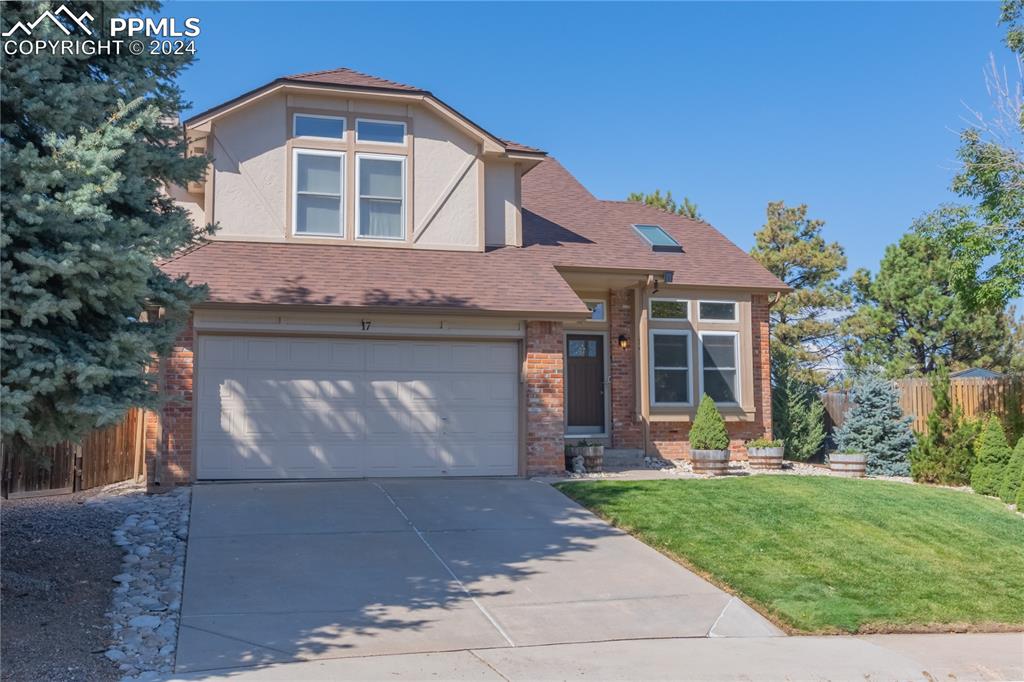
pixel 1013 475
pixel 993 454
pixel 708 432
pixel 945 455
pixel 765 443
pixel 875 425
pixel 798 415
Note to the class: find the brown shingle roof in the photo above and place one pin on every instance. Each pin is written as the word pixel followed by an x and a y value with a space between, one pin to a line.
pixel 564 225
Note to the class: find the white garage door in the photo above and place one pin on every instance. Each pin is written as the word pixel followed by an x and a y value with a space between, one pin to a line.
pixel 272 407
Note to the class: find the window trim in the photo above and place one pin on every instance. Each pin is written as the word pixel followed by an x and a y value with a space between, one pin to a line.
pixel 340 155
pixel 677 320
pixel 651 366
pixel 735 313
pixel 344 127
pixel 359 197
pixel 604 309
pixel 736 363
pixel 405 131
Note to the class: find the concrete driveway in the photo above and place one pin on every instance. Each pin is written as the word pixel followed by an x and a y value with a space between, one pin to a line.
pixel 298 571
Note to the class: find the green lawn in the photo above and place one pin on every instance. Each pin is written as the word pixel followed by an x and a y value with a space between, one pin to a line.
pixel 826 554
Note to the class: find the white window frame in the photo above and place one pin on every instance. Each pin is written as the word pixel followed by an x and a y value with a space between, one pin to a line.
pixel 735 313
pixel 359 197
pixel 604 309
pixel 344 127
pixel 296 152
pixel 651 366
pixel 736 362
pixel 405 131
pixel 677 320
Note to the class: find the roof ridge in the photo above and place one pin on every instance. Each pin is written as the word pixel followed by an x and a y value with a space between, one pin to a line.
pixel 339 69
pixel 659 209
pixel 317 73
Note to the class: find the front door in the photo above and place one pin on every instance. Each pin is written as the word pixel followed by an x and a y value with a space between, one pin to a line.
pixel 585 383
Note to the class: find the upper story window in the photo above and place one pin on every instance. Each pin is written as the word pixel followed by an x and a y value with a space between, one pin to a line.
pixel 597 313
pixel 717 311
pixel 387 132
pixel 658 238
pixel 670 309
pixel 381 195
pixel 670 367
pixel 312 125
pixel 318 204
pixel 719 366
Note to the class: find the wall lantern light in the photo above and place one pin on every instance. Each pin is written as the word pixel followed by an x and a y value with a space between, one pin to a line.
pixel 623 341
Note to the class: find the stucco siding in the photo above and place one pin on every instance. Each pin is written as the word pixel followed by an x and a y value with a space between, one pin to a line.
pixel 444 162
pixel 500 214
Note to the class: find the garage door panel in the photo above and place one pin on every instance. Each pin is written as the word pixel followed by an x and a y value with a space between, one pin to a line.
pixel 310 408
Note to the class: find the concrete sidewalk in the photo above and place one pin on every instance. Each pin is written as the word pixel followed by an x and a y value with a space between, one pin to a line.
pixel 882 657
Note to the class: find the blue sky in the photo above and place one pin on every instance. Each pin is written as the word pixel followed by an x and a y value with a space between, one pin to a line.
pixel 852 109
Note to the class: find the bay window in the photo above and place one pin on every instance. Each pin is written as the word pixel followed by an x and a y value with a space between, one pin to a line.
pixel 670 367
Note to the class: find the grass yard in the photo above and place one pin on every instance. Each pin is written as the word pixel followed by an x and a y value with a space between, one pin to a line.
pixel 823 554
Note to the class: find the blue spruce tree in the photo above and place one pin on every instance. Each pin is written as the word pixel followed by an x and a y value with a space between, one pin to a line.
pixel 876 426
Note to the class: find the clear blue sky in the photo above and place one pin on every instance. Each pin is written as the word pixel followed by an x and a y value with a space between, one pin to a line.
pixel 850 108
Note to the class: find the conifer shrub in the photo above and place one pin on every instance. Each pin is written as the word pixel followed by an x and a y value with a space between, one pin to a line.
pixel 708 431
pixel 993 454
pixel 1013 475
pixel 875 425
pixel 945 454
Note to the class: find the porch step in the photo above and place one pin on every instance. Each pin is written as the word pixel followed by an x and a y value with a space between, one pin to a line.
pixel 623 458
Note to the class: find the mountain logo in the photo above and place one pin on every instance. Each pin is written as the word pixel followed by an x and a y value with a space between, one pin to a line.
pixel 53 16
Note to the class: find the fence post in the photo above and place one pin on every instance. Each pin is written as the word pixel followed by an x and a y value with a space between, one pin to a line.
pixel 76 481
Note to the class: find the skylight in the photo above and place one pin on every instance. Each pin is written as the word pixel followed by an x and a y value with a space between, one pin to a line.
pixel 658 238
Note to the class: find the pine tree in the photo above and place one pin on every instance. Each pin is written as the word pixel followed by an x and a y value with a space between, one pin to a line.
pixel 798 415
pixel 945 454
pixel 993 454
pixel 1013 476
pixel 87 146
pixel 708 431
pixel 666 203
pixel 875 425
pixel 804 322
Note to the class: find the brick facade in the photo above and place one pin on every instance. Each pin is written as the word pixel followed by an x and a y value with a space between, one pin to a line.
pixel 627 430
pixel 545 397
pixel 176 417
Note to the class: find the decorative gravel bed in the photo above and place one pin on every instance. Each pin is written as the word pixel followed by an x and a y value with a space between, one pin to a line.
pixel 91 584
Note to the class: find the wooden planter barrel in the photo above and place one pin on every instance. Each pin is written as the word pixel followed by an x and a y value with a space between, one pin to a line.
pixel 714 462
pixel 848 465
pixel 593 456
pixel 765 458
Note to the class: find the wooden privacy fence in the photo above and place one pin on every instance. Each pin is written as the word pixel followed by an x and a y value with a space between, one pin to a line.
pixel 976 397
pixel 104 456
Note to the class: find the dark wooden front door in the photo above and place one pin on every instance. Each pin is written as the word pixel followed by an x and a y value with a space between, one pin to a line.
pixel 585 388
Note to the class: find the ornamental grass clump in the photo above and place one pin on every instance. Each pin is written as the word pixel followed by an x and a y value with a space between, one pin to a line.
pixel 875 425
pixel 993 454
pixel 1013 476
pixel 708 432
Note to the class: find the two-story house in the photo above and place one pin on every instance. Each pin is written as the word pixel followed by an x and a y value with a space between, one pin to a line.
pixel 397 291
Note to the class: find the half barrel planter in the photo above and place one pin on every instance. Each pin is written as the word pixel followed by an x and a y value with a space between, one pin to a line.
pixel 765 459
pixel 713 462
pixel 848 464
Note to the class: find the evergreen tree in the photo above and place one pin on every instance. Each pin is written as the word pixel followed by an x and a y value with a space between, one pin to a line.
pixel 993 454
pixel 666 203
pixel 87 145
pixel 909 320
pixel 708 430
pixel 875 425
pixel 804 322
pixel 1013 476
pixel 798 415
pixel 944 455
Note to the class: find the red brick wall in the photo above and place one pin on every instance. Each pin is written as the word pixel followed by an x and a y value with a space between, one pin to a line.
pixel 176 415
pixel 627 431
pixel 545 397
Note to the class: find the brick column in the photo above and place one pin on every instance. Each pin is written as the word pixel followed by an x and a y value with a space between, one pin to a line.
pixel 626 428
pixel 760 344
pixel 175 416
pixel 545 397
